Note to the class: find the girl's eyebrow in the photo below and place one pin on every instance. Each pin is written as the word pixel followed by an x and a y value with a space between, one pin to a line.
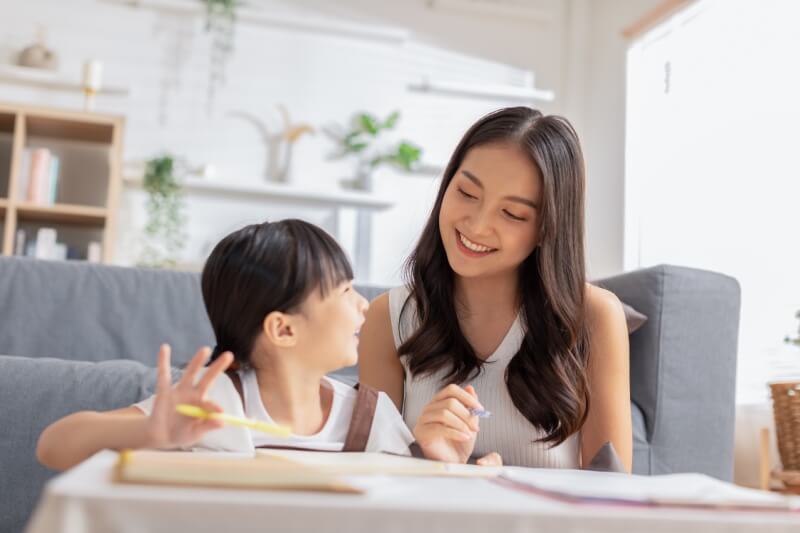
pixel 474 179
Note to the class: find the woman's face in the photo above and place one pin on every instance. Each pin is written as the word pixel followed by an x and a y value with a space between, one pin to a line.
pixel 488 220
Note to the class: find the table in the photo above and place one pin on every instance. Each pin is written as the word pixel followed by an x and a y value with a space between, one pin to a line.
pixel 85 500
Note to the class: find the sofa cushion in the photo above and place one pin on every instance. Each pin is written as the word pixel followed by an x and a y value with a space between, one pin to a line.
pixel 85 312
pixel 633 318
pixel 36 392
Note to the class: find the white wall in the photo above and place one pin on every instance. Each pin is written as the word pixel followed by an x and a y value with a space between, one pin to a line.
pixel 714 168
pixel 601 122
pixel 574 48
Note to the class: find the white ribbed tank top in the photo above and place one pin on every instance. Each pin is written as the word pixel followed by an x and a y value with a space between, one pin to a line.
pixel 506 432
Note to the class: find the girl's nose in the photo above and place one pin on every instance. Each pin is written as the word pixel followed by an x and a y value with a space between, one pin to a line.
pixel 363 304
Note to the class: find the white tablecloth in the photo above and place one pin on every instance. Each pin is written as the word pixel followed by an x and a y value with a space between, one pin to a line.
pixel 85 500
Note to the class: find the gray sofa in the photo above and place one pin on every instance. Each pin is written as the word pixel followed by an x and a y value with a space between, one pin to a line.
pixel 82 336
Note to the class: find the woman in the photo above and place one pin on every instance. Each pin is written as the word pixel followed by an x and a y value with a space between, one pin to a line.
pixel 496 299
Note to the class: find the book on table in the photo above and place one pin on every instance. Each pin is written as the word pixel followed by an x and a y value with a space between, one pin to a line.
pixel 278 469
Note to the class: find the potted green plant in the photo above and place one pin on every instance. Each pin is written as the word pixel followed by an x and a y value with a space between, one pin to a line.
pixel 364 139
pixel 164 233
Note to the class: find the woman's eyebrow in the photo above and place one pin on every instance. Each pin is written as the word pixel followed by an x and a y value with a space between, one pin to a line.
pixel 474 179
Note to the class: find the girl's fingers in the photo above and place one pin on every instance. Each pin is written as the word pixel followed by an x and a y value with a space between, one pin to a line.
pixel 456 392
pixel 209 425
pixel 446 418
pixel 164 375
pixel 211 407
pixel 216 368
pixel 194 366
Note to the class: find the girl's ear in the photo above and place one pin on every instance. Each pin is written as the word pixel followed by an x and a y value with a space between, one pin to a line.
pixel 280 329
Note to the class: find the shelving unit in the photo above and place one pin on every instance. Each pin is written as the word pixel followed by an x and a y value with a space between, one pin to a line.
pixel 279 191
pixel 89 148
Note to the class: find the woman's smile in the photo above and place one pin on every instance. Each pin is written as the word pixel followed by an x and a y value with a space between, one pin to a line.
pixel 471 248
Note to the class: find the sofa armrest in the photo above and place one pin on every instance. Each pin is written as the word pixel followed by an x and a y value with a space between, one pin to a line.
pixel 683 366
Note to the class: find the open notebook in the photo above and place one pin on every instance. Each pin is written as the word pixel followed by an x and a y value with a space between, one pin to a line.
pixel 277 469
pixel 697 491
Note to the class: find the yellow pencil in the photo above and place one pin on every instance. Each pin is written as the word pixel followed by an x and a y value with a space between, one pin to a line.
pixel 199 412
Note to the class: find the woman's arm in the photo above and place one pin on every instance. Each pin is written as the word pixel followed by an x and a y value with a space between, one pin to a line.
pixel 78 436
pixel 609 417
pixel 378 363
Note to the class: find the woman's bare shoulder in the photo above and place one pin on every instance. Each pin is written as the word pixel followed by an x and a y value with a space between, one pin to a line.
pixel 602 305
pixel 378 363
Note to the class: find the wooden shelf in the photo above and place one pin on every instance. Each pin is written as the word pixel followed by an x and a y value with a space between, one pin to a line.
pixel 68 129
pixel 63 213
pixel 7 122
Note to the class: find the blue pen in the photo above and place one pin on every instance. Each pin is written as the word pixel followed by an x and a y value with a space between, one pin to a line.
pixel 480 413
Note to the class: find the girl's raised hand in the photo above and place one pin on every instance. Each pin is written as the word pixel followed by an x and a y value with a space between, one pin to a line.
pixel 446 430
pixel 166 427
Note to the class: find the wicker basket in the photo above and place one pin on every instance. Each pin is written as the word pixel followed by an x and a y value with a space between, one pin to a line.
pixel 786 406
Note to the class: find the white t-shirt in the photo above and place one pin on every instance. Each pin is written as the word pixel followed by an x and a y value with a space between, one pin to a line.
pixel 388 434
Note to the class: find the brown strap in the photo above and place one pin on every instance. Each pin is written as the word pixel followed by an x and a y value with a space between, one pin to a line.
pixel 361 421
pixel 237 383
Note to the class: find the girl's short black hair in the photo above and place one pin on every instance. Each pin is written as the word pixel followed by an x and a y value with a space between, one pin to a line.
pixel 263 268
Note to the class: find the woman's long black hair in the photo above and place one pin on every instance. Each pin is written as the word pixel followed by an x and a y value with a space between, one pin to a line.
pixel 263 268
pixel 546 379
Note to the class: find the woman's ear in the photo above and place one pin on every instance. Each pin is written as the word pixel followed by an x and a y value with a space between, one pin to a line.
pixel 280 329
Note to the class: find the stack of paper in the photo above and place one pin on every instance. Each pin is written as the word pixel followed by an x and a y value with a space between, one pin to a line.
pixel 366 463
pixel 675 490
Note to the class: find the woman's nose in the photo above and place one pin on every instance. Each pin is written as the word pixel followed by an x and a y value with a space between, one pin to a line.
pixel 480 223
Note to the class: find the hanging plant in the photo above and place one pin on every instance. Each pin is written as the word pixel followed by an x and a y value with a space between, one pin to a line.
pixel 165 219
pixel 220 24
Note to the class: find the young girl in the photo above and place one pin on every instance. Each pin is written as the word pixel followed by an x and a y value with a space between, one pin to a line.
pixel 284 312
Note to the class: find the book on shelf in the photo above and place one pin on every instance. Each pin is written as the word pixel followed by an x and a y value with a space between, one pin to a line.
pixel 45 245
pixel 39 176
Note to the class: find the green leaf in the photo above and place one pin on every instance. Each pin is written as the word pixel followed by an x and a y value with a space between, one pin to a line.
pixel 391 121
pixel 407 154
pixel 368 123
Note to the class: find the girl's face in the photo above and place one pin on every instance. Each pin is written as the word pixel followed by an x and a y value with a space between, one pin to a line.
pixel 488 219
pixel 330 327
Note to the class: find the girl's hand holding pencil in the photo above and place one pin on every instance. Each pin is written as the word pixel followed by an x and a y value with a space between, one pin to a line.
pixel 166 427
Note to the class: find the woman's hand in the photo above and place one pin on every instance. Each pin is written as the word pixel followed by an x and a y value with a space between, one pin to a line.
pixel 490 459
pixel 166 428
pixel 446 430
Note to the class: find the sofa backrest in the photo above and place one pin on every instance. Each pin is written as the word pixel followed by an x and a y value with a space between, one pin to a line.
pixel 87 312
